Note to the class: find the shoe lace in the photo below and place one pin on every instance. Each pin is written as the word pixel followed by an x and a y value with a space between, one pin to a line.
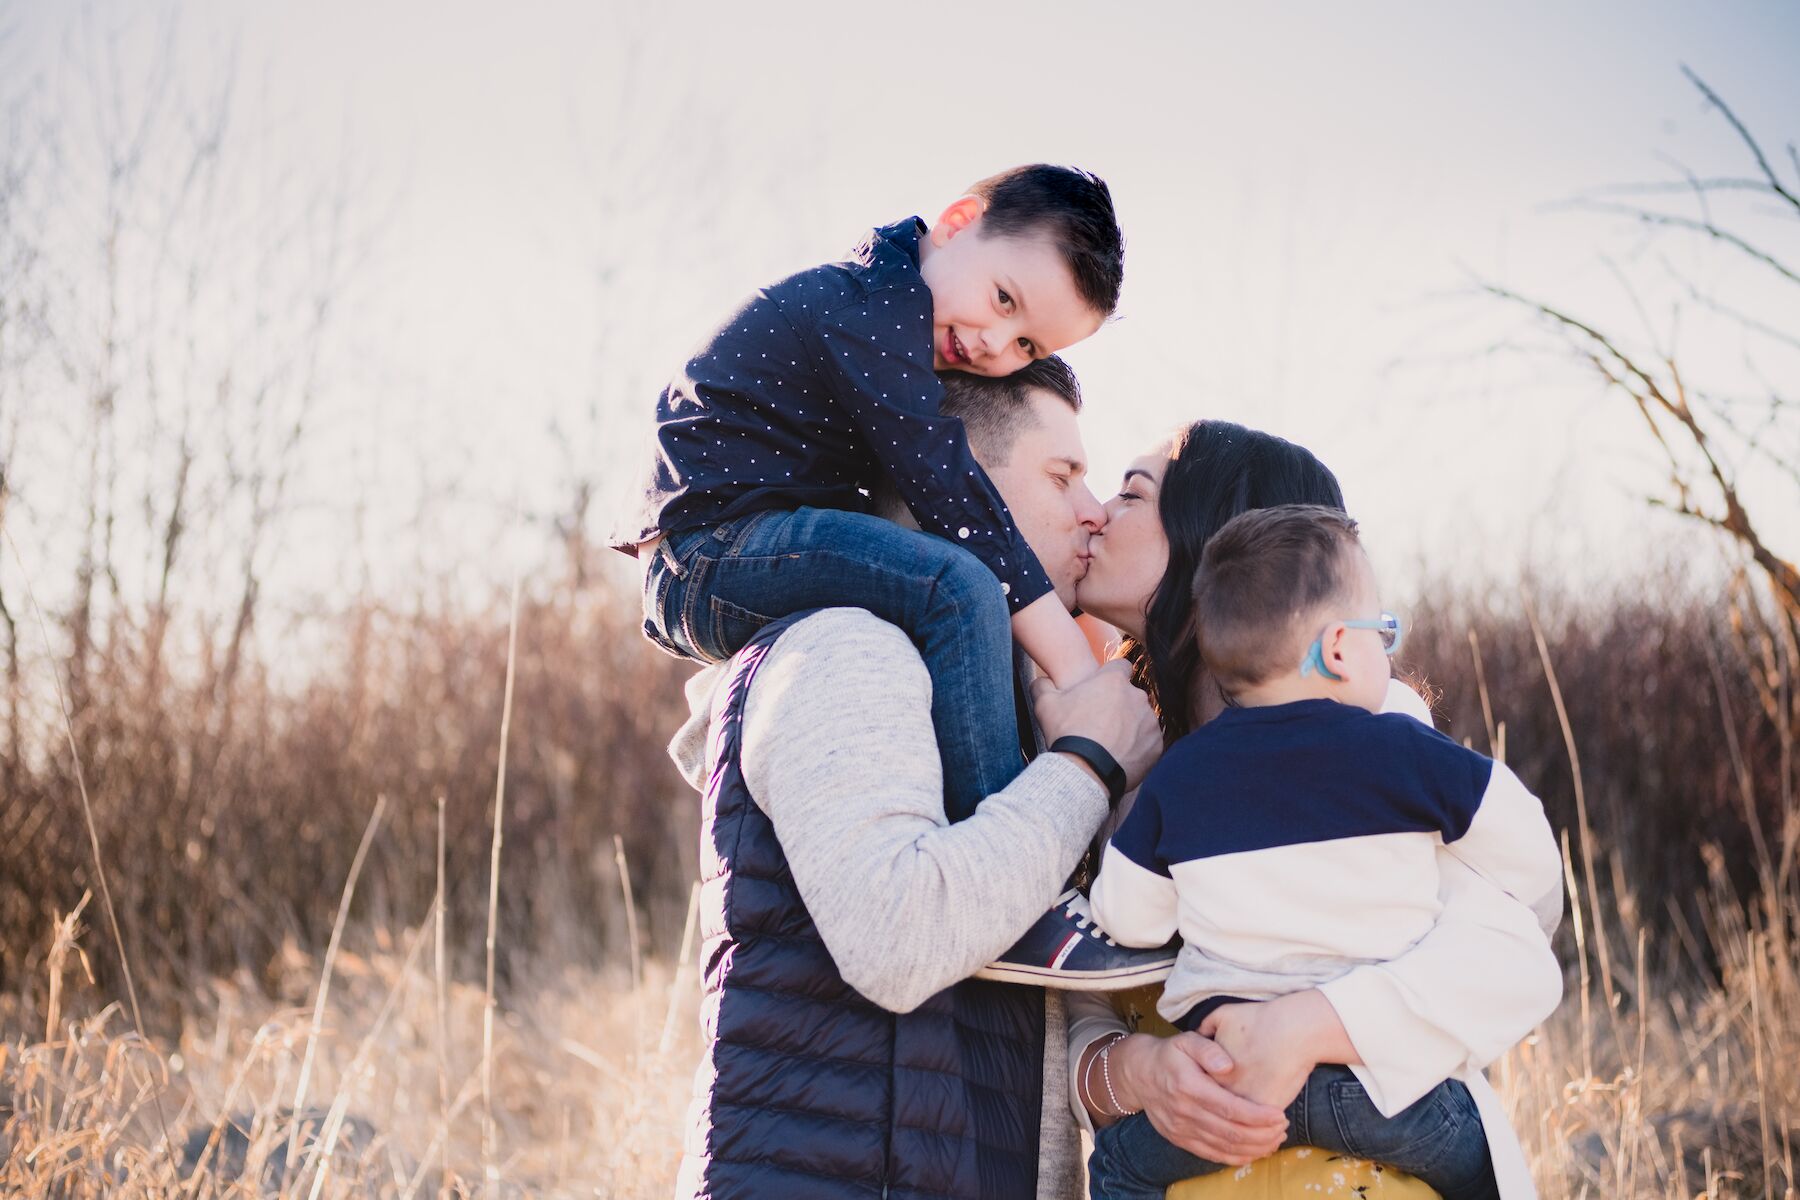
pixel 1075 904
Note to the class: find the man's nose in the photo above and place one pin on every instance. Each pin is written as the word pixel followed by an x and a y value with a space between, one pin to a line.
pixel 1088 510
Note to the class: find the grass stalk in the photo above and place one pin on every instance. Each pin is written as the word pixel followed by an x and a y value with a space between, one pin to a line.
pixel 1602 949
pixel 440 977
pixel 323 996
pixel 93 832
pixel 488 1168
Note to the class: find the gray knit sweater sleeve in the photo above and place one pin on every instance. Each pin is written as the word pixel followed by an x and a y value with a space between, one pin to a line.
pixel 839 752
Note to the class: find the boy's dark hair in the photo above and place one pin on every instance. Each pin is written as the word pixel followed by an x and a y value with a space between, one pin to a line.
pixel 1076 209
pixel 1261 575
pixel 995 411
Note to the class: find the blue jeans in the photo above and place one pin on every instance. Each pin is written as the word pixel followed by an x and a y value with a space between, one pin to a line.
pixel 1439 1140
pixel 707 591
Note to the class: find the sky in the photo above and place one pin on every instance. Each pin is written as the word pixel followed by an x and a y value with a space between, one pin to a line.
pixel 563 197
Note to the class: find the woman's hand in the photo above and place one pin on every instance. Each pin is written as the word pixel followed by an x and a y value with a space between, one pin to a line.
pixel 1175 1081
pixel 1275 1044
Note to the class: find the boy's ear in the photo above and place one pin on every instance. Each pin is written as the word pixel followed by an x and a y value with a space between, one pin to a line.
pixel 961 214
pixel 1331 649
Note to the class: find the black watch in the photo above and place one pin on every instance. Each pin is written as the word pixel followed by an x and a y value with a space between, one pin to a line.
pixel 1096 756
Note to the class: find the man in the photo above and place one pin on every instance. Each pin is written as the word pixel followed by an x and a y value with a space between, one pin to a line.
pixel 849 1052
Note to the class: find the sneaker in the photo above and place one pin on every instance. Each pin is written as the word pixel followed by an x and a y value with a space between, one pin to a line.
pixel 1065 949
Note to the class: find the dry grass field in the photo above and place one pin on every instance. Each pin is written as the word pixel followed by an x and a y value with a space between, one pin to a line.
pixel 305 953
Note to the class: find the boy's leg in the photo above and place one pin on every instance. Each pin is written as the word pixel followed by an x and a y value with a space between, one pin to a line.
pixel 748 572
pixel 1438 1139
pixel 1132 1161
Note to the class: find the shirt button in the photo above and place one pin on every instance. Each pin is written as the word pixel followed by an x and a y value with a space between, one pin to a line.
pixel 963 532
pixel 1006 589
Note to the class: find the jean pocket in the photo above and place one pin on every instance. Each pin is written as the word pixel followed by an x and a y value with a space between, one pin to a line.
pixel 1411 1139
pixel 732 626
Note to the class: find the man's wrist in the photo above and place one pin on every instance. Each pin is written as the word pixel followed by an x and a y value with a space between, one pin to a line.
pixel 1097 759
pixel 1087 768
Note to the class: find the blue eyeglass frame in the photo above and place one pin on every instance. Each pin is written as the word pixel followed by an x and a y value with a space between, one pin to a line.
pixel 1391 628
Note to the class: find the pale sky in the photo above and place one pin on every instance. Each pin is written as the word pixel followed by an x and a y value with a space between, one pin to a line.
pixel 566 196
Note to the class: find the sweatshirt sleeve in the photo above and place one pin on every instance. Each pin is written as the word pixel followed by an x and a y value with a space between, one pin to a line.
pixel 893 397
pixel 1480 980
pixel 1476 983
pixel 839 751
pixel 1509 843
pixel 1133 897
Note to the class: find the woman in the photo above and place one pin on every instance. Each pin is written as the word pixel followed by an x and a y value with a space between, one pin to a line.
pixel 1472 987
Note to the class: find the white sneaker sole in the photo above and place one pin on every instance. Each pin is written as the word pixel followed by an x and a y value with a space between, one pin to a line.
pixel 1116 980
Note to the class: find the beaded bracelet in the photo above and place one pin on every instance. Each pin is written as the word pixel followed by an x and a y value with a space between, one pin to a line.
pixel 1085 1088
pixel 1106 1078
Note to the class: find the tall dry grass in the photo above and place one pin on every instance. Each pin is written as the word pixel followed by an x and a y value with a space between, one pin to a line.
pixel 223 829
pixel 1668 1071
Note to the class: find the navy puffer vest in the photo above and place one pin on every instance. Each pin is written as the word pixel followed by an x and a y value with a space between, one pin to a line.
pixel 809 1090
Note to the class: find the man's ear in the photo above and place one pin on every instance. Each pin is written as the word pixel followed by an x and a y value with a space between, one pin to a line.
pixel 961 214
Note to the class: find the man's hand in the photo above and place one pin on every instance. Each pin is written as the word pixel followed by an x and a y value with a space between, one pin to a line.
pixel 1273 1044
pixel 1174 1081
pixel 1106 708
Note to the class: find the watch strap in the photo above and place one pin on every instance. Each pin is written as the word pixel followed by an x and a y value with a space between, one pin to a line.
pixel 1098 757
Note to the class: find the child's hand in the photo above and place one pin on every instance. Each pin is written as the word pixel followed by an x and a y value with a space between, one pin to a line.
pixel 1269 1055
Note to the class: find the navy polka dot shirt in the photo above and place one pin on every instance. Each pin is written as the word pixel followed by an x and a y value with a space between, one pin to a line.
pixel 808 393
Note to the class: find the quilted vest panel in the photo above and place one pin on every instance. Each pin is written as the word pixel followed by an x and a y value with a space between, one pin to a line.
pixel 807 1089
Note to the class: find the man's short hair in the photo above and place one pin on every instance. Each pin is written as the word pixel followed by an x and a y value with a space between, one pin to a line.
pixel 1075 209
pixel 1262 579
pixel 995 410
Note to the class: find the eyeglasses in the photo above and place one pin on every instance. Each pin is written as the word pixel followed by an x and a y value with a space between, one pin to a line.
pixel 1387 625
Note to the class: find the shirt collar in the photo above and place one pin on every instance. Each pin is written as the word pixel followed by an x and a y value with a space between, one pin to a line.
pixel 1297 710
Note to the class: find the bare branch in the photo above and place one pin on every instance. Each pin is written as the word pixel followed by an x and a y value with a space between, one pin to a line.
pixel 1743 319
pixel 1755 150
pixel 1648 393
pixel 1669 187
pixel 1707 227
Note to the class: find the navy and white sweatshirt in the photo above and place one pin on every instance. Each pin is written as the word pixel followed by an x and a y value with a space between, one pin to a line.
pixel 1291 843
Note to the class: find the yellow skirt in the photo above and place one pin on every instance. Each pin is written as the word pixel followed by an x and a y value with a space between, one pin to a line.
pixel 1300 1173
pixel 1303 1172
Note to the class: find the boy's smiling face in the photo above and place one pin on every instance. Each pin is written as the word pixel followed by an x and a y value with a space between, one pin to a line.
pixel 997 303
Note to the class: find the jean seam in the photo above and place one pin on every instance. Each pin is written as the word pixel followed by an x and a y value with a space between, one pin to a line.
pixel 689 596
pixel 1446 1126
pixel 969 742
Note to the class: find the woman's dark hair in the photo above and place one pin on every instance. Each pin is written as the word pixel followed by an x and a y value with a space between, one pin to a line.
pixel 1216 470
